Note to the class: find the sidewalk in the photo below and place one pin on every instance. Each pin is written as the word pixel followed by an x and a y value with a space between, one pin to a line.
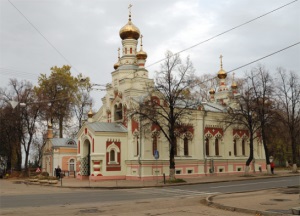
pixel 71 182
pixel 267 202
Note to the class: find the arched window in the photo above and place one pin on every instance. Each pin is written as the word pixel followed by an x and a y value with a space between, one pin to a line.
pixel 118 112
pixel 217 147
pixel 207 146
pixel 186 146
pixel 71 142
pixel 125 50
pixel 243 147
pixel 154 144
pixel 72 165
pixel 112 157
pixel 234 148
pixel 130 50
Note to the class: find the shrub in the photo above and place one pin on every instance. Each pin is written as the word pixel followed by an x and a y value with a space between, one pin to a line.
pixel 52 178
pixel 175 181
pixel 44 174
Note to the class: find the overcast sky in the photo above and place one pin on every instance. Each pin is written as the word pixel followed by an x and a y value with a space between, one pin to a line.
pixel 86 33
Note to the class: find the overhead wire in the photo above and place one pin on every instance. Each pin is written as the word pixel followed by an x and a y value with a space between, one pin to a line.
pixel 8 72
pixel 44 37
pixel 224 32
pixel 256 60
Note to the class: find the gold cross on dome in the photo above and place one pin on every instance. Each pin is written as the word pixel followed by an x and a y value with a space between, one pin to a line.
pixel 221 61
pixel 141 39
pixel 129 8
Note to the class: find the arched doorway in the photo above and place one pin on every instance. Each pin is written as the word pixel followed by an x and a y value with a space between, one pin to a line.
pixel 85 168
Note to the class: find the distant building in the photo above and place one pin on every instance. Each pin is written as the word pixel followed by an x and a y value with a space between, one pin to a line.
pixel 110 145
pixel 59 152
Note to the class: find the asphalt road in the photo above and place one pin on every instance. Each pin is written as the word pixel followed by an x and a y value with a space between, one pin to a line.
pixel 82 196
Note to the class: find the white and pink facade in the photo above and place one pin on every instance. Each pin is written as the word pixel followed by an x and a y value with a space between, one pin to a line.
pixel 112 144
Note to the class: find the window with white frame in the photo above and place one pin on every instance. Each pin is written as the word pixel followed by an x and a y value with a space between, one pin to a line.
pixel 113 152
pixel 72 165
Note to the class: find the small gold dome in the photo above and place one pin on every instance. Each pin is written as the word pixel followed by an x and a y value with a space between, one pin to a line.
pixel 234 85
pixel 222 74
pixel 141 55
pixel 116 65
pixel 129 31
pixel 90 114
pixel 211 91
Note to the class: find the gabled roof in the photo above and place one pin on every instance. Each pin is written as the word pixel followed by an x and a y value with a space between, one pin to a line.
pixel 64 142
pixel 107 127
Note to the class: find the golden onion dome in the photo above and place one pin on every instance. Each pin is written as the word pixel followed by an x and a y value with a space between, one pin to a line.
pixel 211 91
pixel 90 114
pixel 129 31
pixel 116 65
pixel 141 54
pixel 234 85
pixel 222 74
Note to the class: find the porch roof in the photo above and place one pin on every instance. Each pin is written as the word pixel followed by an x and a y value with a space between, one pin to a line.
pixel 64 142
pixel 107 127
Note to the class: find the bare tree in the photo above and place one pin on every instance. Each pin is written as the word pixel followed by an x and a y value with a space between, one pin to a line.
pixel 243 114
pixel 83 100
pixel 263 89
pixel 289 108
pixel 168 105
pixel 205 83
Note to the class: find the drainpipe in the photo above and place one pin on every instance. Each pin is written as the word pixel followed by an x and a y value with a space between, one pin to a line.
pixel 204 147
pixel 140 150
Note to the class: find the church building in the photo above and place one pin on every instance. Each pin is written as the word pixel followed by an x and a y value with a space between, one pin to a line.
pixel 111 145
pixel 60 152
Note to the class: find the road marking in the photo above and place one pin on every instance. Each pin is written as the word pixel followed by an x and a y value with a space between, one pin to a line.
pixel 173 192
pixel 248 184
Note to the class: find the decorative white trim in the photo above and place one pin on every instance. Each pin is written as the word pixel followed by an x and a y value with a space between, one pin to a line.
pixel 189 135
pixel 113 146
pixel 136 133
pixel 218 135
pixel 208 135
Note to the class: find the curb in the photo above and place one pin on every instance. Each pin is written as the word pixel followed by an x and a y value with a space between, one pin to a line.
pixel 152 186
pixel 208 201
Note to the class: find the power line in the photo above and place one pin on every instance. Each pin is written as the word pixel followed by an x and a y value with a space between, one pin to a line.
pixel 8 72
pixel 43 36
pixel 266 56
pixel 249 21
